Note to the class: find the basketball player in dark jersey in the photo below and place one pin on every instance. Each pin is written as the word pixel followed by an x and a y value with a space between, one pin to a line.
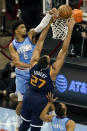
pixel 42 77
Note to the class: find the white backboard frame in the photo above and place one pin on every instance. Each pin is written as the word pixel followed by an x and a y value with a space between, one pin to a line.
pixel 47 5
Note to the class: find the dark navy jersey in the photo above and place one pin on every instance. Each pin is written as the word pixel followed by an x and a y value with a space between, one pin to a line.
pixel 40 80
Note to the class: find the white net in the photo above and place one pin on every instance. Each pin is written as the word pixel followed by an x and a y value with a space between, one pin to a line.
pixel 59 29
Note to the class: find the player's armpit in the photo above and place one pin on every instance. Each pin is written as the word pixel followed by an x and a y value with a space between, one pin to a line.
pixel 70 126
pixel 31 33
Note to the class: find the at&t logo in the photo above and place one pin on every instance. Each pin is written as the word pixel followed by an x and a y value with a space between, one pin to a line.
pixel 61 83
pixel 74 86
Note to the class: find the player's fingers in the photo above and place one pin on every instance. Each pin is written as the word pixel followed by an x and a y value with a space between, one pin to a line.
pixel 51 95
pixel 48 94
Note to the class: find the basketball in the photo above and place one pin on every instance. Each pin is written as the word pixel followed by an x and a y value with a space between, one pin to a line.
pixel 65 11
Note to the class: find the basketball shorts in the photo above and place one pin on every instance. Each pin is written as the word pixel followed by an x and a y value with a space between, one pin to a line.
pixel 33 104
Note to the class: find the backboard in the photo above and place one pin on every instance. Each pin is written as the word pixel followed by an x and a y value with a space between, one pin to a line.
pixel 75 4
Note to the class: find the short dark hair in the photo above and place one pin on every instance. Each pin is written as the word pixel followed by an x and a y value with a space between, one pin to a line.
pixel 43 62
pixel 16 24
pixel 59 110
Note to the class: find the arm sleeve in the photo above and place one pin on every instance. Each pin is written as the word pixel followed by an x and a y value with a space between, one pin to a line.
pixel 43 24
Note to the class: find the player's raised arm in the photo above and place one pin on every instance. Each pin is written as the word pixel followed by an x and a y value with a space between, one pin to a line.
pixel 61 55
pixel 39 45
pixel 44 116
pixel 45 21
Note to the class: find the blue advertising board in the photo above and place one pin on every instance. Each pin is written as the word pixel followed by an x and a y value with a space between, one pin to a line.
pixel 71 85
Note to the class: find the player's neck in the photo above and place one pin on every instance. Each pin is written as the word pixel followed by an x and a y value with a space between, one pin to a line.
pixel 45 68
pixel 65 115
pixel 62 116
pixel 19 38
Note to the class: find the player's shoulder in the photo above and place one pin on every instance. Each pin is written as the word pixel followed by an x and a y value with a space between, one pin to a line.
pixel 10 45
pixel 70 123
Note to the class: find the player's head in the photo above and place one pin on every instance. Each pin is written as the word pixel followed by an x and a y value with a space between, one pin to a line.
pixel 60 109
pixel 19 28
pixel 44 62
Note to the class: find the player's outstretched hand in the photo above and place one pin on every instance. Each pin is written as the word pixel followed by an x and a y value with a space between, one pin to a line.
pixel 50 97
pixel 54 12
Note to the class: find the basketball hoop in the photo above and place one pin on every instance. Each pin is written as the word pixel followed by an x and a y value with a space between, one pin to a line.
pixel 59 29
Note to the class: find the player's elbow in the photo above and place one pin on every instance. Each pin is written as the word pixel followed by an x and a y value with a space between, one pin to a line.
pixel 44 117
pixel 16 63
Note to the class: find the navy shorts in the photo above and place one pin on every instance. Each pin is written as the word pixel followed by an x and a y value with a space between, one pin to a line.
pixel 33 104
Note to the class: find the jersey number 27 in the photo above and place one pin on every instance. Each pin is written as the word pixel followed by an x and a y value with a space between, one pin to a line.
pixel 35 80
